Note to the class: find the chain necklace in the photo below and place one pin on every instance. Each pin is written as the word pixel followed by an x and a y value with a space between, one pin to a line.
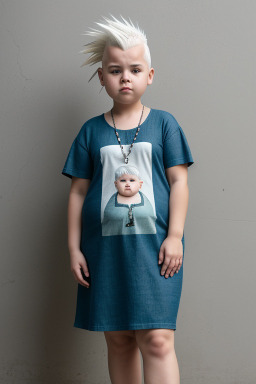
pixel 119 140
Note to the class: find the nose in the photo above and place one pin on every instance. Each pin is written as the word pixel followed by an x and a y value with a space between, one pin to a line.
pixel 125 77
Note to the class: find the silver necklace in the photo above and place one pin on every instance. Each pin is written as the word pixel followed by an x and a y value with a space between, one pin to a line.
pixel 119 140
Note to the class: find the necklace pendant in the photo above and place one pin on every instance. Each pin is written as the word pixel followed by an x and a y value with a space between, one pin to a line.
pixel 119 140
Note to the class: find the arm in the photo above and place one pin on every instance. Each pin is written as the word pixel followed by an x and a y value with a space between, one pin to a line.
pixel 77 194
pixel 78 191
pixel 177 177
pixel 171 251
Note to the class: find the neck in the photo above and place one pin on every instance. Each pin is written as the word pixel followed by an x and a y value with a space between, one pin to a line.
pixel 127 109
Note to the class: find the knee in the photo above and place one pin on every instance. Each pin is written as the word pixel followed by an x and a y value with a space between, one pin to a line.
pixel 120 342
pixel 156 343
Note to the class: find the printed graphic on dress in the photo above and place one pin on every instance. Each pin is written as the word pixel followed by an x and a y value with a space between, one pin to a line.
pixel 127 204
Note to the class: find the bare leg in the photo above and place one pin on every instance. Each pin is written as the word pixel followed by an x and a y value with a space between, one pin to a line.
pixel 160 363
pixel 123 357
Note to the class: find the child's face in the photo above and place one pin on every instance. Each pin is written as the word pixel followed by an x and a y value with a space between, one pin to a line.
pixel 128 185
pixel 123 74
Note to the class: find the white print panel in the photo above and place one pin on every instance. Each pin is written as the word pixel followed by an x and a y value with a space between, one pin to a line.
pixel 127 203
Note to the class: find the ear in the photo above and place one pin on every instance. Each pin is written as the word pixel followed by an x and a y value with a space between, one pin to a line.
pixel 151 76
pixel 100 74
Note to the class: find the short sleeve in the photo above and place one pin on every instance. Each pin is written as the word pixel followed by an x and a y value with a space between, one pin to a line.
pixel 176 149
pixel 78 162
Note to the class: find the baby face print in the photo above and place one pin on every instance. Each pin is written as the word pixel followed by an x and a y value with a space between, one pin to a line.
pixel 127 199
pixel 128 185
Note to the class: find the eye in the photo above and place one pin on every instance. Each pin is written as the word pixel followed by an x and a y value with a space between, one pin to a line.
pixel 137 70
pixel 115 70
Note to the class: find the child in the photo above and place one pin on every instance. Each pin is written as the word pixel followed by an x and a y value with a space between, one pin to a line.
pixel 130 281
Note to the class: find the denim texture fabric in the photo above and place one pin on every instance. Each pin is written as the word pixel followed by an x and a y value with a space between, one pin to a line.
pixel 122 231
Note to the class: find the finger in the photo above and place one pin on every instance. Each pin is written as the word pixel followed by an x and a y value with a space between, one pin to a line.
pixel 165 266
pixel 173 271
pixel 80 279
pixel 161 256
pixel 85 272
pixel 180 264
pixel 174 268
pixel 170 268
pixel 83 279
pixel 84 267
pixel 82 282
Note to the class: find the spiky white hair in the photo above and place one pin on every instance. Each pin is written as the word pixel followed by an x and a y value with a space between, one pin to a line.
pixel 116 33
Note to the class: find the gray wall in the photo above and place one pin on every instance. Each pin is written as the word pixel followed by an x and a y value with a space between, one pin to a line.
pixel 204 62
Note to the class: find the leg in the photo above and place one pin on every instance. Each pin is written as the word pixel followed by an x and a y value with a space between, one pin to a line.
pixel 123 357
pixel 160 363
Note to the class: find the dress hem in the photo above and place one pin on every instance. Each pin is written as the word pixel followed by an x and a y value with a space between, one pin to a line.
pixel 102 328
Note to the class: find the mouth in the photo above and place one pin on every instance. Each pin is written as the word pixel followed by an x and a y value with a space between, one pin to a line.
pixel 125 89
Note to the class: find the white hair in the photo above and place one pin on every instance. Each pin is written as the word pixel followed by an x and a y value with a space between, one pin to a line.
pixel 126 170
pixel 116 33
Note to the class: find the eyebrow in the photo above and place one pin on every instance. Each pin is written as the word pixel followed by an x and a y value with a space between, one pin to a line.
pixel 118 66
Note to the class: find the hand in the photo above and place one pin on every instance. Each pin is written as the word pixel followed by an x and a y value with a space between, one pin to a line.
pixel 171 252
pixel 78 262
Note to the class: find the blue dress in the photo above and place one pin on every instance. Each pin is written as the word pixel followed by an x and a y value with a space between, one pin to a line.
pixel 125 218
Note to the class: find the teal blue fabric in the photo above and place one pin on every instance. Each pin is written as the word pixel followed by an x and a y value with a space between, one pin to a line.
pixel 122 229
pixel 144 223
